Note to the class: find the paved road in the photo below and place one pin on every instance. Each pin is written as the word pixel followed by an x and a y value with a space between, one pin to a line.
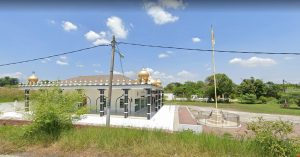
pixel 248 116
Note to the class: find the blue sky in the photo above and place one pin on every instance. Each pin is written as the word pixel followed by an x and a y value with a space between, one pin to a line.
pixel 37 32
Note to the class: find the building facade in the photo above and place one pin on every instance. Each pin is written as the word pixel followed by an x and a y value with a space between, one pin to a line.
pixel 142 97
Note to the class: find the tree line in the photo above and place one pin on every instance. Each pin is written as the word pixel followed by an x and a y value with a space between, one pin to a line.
pixel 250 90
pixel 8 81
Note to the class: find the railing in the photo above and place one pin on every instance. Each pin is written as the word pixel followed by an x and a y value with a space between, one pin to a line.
pixel 228 119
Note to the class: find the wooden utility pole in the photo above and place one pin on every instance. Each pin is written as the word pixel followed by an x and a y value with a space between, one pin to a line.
pixel 113 47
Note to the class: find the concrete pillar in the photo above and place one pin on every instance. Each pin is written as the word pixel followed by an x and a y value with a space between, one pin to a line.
pixel 27 99
pixel 101 102
pixel 156 100
pixel 162 98
pixel 126 103
pixel 149 101
pixel 159 99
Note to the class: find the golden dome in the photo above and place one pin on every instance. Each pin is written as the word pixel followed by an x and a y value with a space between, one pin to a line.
pixel 33 79
pixel 143 76
pixel 158 82
pixel 153 82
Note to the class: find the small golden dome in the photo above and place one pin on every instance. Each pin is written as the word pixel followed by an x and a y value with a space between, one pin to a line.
pixel 33 79
pixel 158 82
pixel 143 76
pixel 153 82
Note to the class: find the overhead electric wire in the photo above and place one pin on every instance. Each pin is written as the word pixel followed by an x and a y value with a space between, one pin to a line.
pixel 208 50
pixel 51 56
pixel 154 46
pixel 118 50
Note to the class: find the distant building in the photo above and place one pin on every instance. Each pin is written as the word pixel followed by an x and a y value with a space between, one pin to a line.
pixel 169 96
pixel 142 97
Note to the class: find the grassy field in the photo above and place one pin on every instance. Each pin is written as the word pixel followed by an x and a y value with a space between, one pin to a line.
pixel 257 108
pixel 11 94
pixel 126 142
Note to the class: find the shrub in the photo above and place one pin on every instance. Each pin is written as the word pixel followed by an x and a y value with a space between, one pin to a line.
pixel 263 99
pixel 272 100
pixel 248 99
pixel 298 102
pixel 272 136
pixel 52 112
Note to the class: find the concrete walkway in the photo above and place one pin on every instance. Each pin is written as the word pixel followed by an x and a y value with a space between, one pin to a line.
pixel 185 116
pixel 11 106
pixel 248 116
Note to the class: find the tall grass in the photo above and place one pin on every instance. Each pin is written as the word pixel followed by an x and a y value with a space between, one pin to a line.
pixel 9 94
pixel 133 142
pixel 130 142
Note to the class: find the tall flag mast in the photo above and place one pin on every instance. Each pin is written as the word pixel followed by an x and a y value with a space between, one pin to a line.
pixel 213 64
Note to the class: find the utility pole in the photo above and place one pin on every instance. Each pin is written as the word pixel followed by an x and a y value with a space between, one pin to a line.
pixel 285 103
pixel 113 47
pixel 213 64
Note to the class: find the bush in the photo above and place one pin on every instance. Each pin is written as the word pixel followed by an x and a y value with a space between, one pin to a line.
pixel 263 99
pixel 272 136
pixel 52 112
pixel 272 100
pixel 298 102
pixel 248 99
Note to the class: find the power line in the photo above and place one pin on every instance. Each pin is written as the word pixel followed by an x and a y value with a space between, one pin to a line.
pixel 120 56
pixel 208 50
pixel 51 56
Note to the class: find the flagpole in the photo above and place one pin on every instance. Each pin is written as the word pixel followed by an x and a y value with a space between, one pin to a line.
pixel 213 64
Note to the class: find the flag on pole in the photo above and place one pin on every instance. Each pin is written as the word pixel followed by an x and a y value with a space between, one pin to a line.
pixel 121 55
pixel 213 42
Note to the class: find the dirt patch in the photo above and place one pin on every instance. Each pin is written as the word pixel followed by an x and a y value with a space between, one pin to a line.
pixel 242 131
pixel 14 122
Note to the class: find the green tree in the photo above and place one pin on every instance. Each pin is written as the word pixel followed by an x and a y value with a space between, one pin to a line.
pixel 8 81
pixel 171 86
pixel 225 86
pixel 252 86
pixel 272 90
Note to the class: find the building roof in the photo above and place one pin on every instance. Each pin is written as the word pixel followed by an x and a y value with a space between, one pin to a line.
pixel 101 78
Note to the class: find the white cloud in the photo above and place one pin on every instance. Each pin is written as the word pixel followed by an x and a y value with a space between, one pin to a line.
pixel 164 77
pixel 185 74
pixel 101 42
pixel 97 38
pixel 68 26
pixel 46 60
pixel 63 60
pixel 18 75
pixel 196 39
pixel 96 65
pixel 80 65
pixel 169 52
pixel 92 36
pixel 253 61
pixel 159 15
pixel 163 55
pixel 174 4
pixel 117 27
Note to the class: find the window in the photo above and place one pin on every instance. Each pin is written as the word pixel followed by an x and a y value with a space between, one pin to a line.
pixel 121 103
